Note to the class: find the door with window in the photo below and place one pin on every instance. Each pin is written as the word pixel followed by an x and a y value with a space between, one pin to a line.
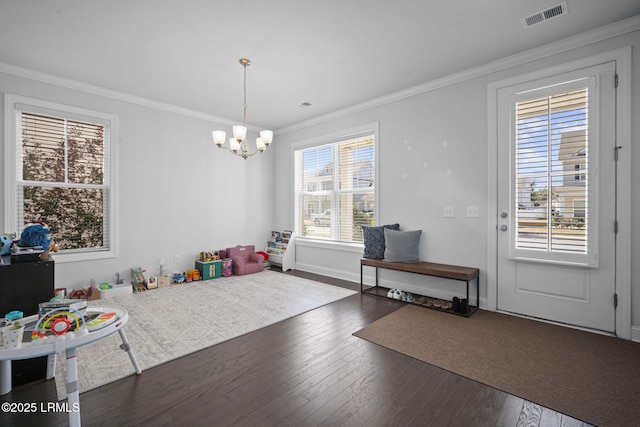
pixel 556 198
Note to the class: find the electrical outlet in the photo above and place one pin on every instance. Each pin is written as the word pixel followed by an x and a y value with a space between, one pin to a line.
pixel 472 212
pixel 176 259
pixel 449 212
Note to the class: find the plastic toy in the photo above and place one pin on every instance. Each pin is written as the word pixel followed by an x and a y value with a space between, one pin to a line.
pixel 57 322
pixel 178 277
pixel 6 242
pixel 78 294
pixel 102 320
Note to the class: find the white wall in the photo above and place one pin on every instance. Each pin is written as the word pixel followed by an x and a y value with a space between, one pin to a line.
pixel 178 193
pixel 433 153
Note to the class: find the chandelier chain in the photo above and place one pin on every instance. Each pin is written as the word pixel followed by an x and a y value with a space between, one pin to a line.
pixel 244 85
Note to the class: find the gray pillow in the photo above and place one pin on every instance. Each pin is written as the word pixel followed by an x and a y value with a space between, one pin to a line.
pixel 402 246
pixel 374 240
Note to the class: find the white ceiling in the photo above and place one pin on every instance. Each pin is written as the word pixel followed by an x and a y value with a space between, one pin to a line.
pixel 330 53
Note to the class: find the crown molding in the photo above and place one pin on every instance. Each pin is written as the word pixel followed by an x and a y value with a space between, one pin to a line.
pixel 108 93
pixel 583 39
pixel 608 31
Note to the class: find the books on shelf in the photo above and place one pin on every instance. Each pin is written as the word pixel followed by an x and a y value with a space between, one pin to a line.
pixel 278 242
pixel 280 249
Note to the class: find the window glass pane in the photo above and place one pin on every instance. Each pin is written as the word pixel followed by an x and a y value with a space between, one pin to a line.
pixel 43 148
pixel 316 216
pixel 60 150
pixel 335 189
pixel 85 153
pixel 552 173
pixel 74 215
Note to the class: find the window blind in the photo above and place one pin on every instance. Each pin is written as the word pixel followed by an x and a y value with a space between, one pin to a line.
pixel 335 185
pixel 552 172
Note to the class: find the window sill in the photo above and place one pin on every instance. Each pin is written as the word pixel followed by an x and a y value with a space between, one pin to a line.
pixel 86 256
pixel 330 245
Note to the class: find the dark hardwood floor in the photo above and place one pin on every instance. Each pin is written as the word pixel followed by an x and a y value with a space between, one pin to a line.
pixel 305 371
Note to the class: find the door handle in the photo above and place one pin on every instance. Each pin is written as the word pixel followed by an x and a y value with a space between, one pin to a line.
pixel 503 214
pixel 503 228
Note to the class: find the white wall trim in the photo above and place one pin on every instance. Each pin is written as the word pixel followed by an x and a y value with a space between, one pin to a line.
pixel 583 39
pixel 108 93
pixel 608 31
pixel 329 272
pixel 635 333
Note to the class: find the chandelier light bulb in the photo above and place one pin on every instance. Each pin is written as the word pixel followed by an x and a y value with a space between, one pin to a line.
pixel 219 136
pixel 239 133
pixel 266 136
pixel 234 144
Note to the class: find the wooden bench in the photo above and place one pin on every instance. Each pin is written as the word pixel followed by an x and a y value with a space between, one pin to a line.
pixel 446 271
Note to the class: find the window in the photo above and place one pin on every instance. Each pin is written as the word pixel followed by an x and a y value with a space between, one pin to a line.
pixel 62 175
pixel 552 169
pixel 335 188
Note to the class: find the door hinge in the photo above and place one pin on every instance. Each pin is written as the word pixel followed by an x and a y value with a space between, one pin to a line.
pixel 615 226
pixel 615 300
pixel 615 81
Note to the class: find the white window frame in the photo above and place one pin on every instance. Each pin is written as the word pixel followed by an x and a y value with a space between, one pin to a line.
pixel 12 106
pixel 352 133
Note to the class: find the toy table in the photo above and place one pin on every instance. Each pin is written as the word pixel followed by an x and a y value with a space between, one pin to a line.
pixel 68 346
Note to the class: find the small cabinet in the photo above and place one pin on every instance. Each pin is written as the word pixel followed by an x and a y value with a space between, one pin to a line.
pixel 23 286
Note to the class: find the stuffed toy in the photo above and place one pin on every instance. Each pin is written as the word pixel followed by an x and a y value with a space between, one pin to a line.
pixel 37 234
pixel 6 241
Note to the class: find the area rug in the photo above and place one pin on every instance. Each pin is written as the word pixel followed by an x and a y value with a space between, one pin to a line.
pixel 591 377
pixel 171 322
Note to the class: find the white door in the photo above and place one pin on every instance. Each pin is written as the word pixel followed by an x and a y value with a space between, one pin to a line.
pixel 557 198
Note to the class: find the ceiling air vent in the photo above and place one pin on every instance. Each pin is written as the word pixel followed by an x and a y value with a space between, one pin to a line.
pixel 544 15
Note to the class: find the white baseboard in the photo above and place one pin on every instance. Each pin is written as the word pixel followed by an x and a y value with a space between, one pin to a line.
pixel 329 272
pixel 635 333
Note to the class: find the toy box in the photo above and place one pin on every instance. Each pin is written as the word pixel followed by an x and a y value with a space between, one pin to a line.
pixel 164 281
pixel 110 290
pixel 227 267
pixel 209 270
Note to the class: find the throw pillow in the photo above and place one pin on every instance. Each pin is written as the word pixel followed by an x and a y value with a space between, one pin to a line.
pixel 402 246
pixel 374 240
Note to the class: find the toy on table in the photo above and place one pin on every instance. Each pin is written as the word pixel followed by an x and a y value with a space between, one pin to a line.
pixel 59 322
pixel 100 320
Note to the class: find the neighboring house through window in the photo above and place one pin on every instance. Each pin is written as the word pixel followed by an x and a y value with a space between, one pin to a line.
pixel 60 173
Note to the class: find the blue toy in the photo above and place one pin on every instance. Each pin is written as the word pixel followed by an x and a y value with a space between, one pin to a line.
pixel 36 235
pixel 6 242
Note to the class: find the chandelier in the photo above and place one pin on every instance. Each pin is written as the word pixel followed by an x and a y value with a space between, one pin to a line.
pixel 238 144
